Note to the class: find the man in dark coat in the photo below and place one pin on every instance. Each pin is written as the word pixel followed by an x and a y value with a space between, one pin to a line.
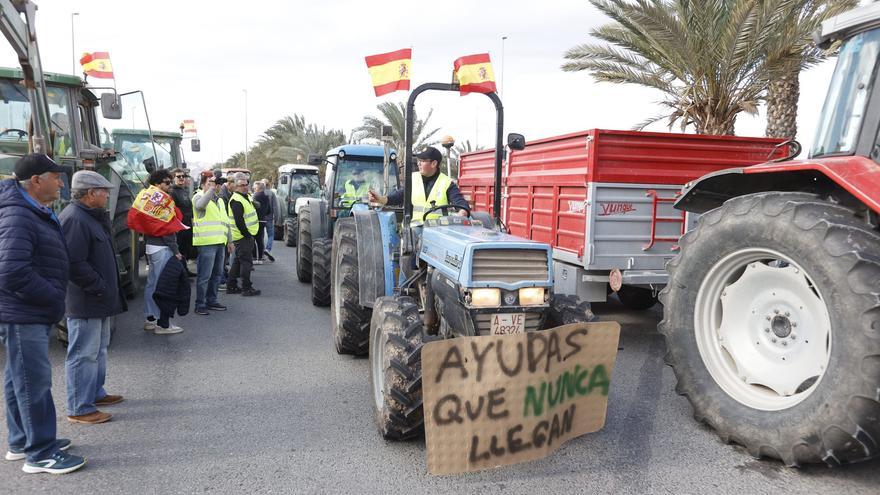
pixel 93 296
pixel 33 278
pixel 180 194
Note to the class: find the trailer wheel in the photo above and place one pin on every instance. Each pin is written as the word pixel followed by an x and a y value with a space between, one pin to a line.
pixel 304 247
pixel 567 309
pixel 349 321
pixel 321 271
pixel 122 241
pixel 291 229
pixel 772 319
pixel 636 298
pixel 396 339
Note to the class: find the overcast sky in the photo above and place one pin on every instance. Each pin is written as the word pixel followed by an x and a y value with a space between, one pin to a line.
pixel 194 59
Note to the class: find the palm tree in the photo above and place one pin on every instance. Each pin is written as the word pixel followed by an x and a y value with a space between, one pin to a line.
pixel 712 59
pixel 393 114
pixel 796 52
pixel 460 149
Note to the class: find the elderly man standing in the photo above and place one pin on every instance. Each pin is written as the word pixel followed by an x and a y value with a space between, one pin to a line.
pixel 245 225
pixel 33 279
pixel 93 296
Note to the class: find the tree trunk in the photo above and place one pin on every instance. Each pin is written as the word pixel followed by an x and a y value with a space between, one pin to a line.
pixel 782 105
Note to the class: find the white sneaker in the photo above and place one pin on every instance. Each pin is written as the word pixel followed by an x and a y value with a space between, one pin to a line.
pixel 258 262
pixel 166 331
pixel 149 326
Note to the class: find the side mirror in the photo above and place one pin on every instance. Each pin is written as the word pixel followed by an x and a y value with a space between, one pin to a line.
pixel 315 159
pixel 110 107
pixel 516 141
pixel 195 145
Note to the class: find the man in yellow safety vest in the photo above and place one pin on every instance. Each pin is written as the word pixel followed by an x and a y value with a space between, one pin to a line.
pixel 211 236
pixel 245 226
pixel 428 185
pixel 355 188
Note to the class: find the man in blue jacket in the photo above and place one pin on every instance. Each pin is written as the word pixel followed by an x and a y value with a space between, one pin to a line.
pixel 33 279
pixel 92 297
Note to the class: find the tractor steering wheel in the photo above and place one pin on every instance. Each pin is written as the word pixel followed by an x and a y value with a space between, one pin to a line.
pixel 21 134
pixel 445 210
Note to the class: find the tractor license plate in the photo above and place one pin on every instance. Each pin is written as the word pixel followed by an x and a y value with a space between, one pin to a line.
pixel 507 324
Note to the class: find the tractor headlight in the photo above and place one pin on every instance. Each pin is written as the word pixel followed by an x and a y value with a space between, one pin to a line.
pixel 531 296
pixel 484 298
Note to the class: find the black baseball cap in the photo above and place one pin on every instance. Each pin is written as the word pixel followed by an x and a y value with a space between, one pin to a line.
pixel 430 153
pixel 36 164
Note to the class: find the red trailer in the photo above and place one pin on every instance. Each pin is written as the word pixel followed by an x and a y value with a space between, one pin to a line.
pixel 603 199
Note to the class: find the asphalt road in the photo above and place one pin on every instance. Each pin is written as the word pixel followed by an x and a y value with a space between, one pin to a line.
pixel 254 400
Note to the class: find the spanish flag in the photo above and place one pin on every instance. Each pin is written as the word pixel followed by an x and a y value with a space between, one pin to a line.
pixel 474 74
pixel 390 71
pixel 189 127
pixel 97 65
pixel 154 213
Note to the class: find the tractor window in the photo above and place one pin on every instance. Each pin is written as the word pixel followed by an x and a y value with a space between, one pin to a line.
pixel 847 99
pixel 354 178
pixel 283 180
pixel 15 114
pixel 305 185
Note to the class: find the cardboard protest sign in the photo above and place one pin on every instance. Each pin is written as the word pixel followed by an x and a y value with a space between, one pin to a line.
pixel 496 400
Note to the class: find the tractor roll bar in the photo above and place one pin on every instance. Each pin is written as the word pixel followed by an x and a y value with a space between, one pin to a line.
pixel 499 147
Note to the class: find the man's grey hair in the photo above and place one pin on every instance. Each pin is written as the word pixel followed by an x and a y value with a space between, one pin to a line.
pixel 25 184
pixel 259 185
pixel 239 176
pixel 79 193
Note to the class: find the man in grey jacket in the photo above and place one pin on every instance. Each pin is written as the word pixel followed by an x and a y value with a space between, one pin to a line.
pixel 93 296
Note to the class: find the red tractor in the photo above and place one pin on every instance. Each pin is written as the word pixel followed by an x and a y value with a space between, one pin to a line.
pixel 772 309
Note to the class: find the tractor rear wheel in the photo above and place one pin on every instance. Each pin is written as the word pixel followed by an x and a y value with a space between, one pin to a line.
pixel 304 247
pixel 123 242
pixel 321 271
pixel 291 228
pixel 349 321
pixel 636 298
pixel 396 339
pixel 771 318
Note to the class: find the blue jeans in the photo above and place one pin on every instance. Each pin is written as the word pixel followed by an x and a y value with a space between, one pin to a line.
pixel 209 269
pixel 86 364
pixel 27 387
pixel 157 264
pixel 270 234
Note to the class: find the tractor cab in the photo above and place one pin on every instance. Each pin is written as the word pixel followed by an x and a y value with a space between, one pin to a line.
pixel 352 170
pixel 140 151
pixel 296 185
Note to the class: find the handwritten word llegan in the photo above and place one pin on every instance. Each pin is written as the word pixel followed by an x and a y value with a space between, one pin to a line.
pixel 546 431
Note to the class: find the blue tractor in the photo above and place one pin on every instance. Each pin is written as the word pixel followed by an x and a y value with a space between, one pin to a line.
pixel 399 282
pixel 351 170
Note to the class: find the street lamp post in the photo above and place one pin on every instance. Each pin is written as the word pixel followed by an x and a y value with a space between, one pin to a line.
pixel 72 45
pixel 503 39
pixel 245 130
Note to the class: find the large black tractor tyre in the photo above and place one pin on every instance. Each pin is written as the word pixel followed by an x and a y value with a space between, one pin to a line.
pixel 636 298
pixel 349 321
pixel 835 259
pixel 396 339
pixel 291 230
pixel 321 263
pixel 568 309
pixel 304 247
pixel 122 241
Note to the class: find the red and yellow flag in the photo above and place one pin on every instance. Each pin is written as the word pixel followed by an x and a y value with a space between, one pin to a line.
pixel 189 127
pixel 390 71
pixel 97 64
pixel 474 73
pixel 154 213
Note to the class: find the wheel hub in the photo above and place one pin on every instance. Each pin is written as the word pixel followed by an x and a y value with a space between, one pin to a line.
pixel 763 329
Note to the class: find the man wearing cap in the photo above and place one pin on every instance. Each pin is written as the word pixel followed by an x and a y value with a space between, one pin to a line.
pixel 429 185
pixel 93 296
pixel 33 279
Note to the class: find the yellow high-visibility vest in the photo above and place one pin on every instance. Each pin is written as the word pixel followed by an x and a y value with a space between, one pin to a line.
pixel 250 217
pixel 355 193
pixel 212 227
pixel 421 204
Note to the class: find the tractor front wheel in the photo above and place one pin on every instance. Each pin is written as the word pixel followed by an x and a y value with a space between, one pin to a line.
pixel 304 247
pixel 349 321
pixel 321 271
pixel 396 339
pixel 291 230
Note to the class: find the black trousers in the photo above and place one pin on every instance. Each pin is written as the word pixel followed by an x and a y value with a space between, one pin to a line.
pixel 261 242
pixel 243 264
